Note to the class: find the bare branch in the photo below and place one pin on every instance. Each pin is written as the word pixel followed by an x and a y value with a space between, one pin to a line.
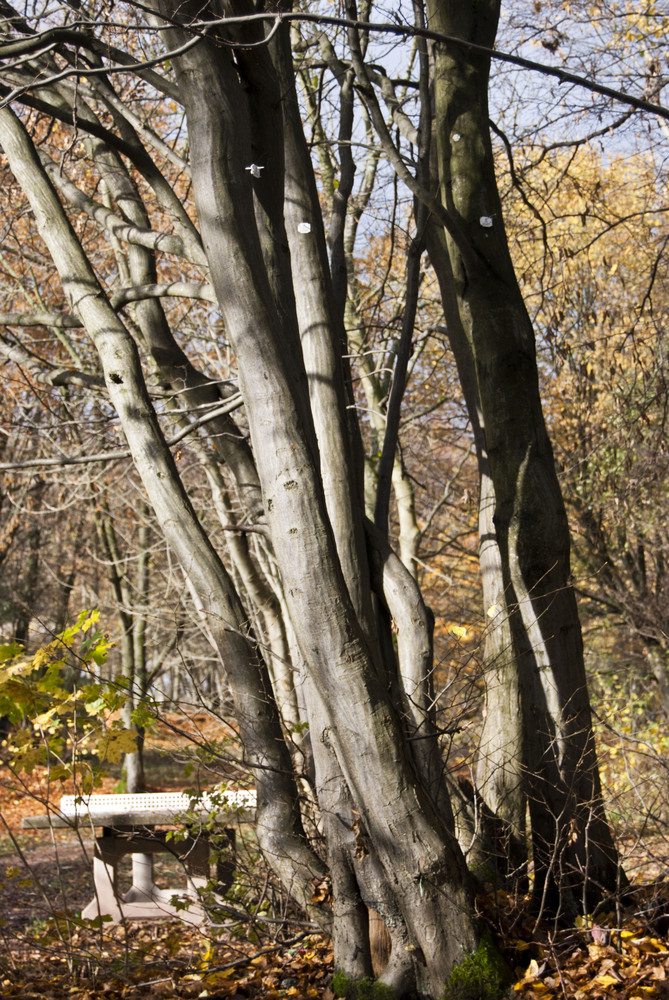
pixel 112 223
pixel 113 456
pixel 53 377
pixel 176 289
pixel 61 321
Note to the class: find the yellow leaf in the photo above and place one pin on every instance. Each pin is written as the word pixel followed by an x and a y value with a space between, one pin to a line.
pixel 492 610
pixel 216 978
pixel 606 981
pixel 648 944
pixel 16 668
pixel 207 955
pixel 532 969
pixel 459 630
pixel 111 745
pixel 41 720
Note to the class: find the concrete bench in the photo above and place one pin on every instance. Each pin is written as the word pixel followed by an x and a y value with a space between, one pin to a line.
pixel 128 825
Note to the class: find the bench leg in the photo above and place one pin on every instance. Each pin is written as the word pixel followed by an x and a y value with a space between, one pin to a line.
pixel 106 902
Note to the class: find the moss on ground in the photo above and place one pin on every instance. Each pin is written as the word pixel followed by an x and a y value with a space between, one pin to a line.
pixel 482 975
pixel 360 989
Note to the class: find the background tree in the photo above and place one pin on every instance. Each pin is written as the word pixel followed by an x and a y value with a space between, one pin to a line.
pixel 600 309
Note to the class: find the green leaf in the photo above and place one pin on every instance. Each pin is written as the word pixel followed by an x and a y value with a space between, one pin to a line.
pixel 27 760
pixel 96 707
pixel 10 652
pixel 59 772
pixel 50 683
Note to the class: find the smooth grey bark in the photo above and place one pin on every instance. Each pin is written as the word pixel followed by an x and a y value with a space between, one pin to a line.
pixel 414 625
pixel 323 340
pixel 262 605
pixel 417 851
pixel 499 776
pixel 279 826
pixel 574 856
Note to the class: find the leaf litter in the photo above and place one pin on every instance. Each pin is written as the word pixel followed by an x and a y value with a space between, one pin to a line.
pixel 47 952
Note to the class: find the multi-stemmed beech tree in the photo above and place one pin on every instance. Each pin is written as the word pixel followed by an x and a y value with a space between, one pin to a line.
pixel 161 152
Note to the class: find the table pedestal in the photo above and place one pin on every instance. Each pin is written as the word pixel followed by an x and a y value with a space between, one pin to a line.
pixel 144 900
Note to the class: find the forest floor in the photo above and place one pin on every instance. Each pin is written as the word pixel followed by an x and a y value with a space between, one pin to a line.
pixel 47 951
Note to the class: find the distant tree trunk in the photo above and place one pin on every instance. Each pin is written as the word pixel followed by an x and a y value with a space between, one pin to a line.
pixel 64 593
pixel 130 595
pixel 658 661
pixel 133 763
pixel 571 838
pixel 26 602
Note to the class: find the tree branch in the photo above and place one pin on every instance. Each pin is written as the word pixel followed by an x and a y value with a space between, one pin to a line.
pixel 113 456
pixel 52 36
pixel 174 289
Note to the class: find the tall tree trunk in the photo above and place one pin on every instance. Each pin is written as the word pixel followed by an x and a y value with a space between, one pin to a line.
pixel 416 850
pixel 499 776
pixel 571 838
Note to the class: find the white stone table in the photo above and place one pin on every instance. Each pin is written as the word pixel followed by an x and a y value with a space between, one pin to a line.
pixel 128 825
